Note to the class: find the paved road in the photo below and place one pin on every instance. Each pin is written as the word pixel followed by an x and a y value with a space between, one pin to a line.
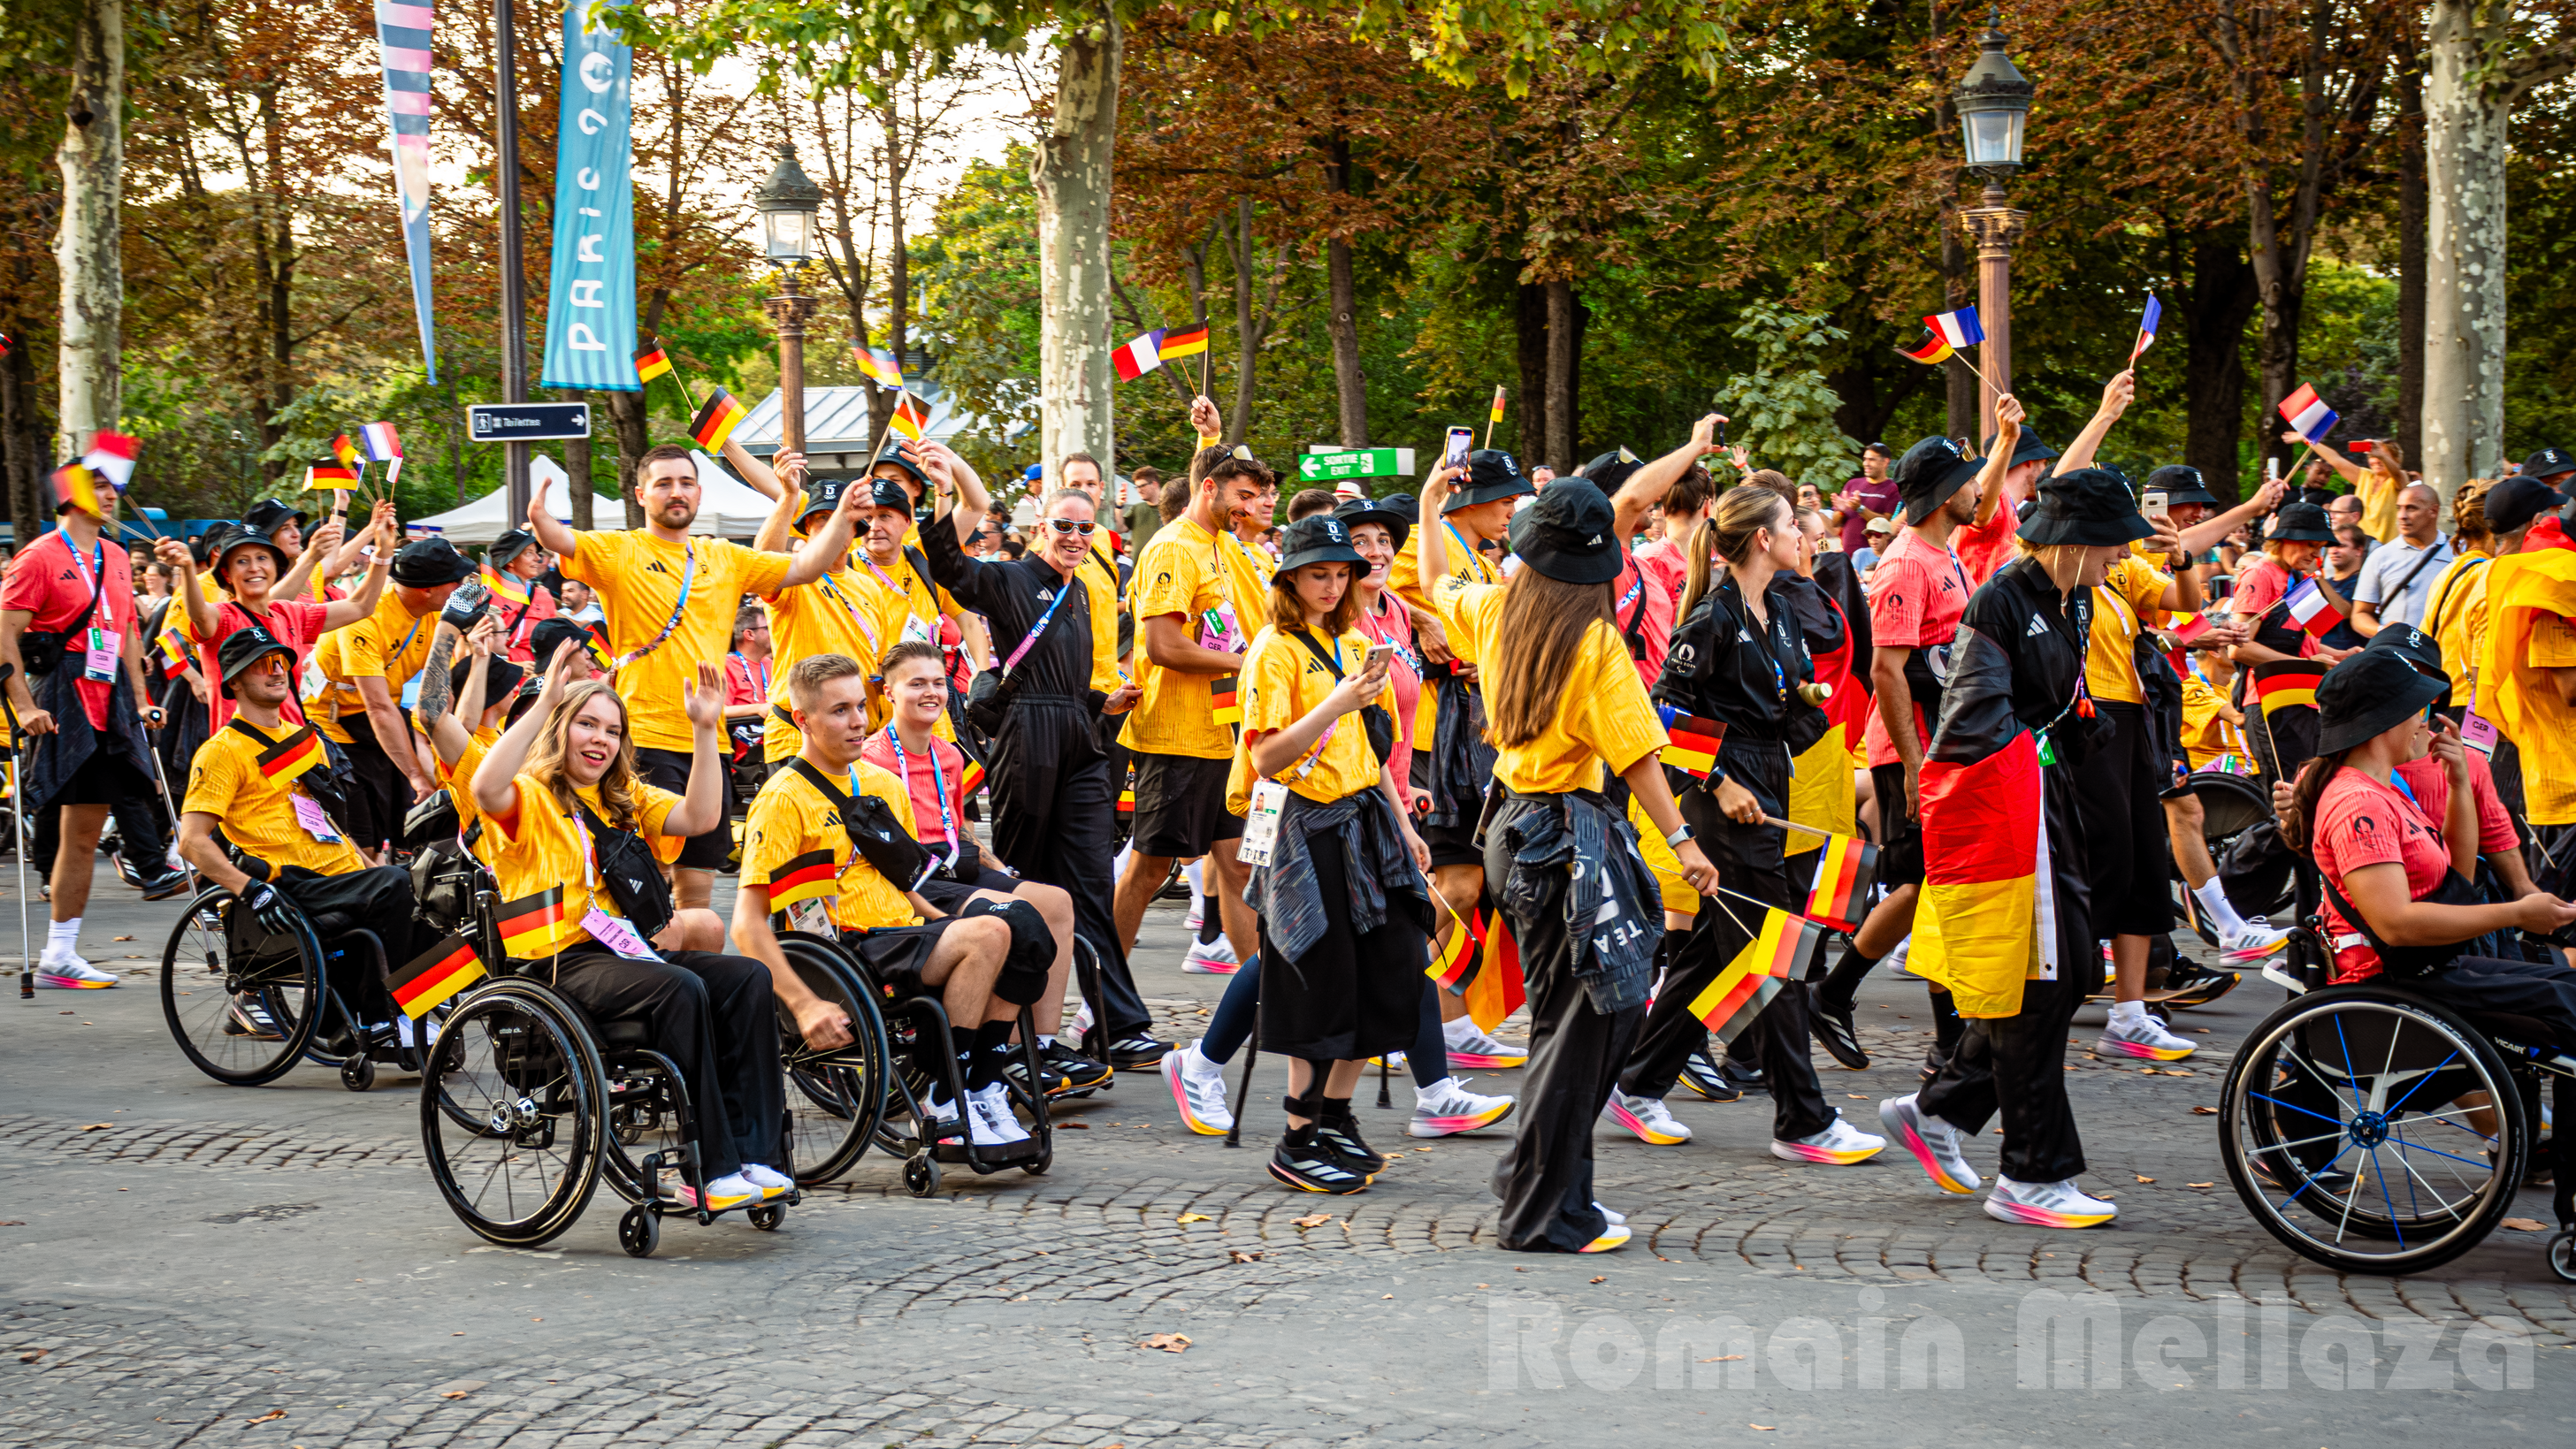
pixel 186 1263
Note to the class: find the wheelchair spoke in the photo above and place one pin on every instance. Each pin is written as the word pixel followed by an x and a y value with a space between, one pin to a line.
pixel 2396 1141
pixel 2301 1142
pixel 2295 1107
pixel 2349 1074
pixel 2420 1081
pixel 2444 1119
pixel 2311 1179
pixel 2467 1189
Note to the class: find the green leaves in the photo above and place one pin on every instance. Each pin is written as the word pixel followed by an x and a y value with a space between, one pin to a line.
pixel 1784 408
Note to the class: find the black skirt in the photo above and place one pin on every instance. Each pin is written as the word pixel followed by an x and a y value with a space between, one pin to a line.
pixel 1352 996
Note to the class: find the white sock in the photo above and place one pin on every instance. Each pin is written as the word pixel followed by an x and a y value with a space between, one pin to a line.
pixel 1191 873
pixel 1118 867
pixel 62 938
pixel 1046 1041
pixel 2213 899
pixel 2129 1014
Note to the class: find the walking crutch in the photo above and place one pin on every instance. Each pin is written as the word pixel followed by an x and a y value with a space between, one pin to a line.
pixel 18 822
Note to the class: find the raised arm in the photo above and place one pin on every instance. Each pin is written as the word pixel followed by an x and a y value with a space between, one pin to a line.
pixel 2117 394
pixel 341 613
pixel 772 479
pixel 496 780
pixel 945 468
pixel 192 595
pixel 2332 456
pixel 826 550
pixel 1990 477
pixel 1647 486
pixel 701 809
pixel 1431 561
pixel 556 535
pixel 2210 532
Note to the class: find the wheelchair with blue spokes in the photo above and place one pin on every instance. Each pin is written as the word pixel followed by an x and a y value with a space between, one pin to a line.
pixel 246 1003
pixel 2374 1129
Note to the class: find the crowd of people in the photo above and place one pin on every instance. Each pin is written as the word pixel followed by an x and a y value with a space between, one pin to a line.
pixel 1590 748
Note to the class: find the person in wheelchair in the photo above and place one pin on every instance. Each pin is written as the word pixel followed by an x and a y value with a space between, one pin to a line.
pixel 566 820
pixel 935 775
pixel 823 836
pixel 261 819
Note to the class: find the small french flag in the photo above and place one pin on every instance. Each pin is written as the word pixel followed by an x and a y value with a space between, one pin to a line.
pixel 1959 328
pixel 2147 327
pixel 2308 607
pixel 2308 414
pixel 382 443
pixel 111 456
pixel 1138 356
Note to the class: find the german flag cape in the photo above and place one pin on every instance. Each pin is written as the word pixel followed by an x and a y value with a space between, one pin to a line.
pixel 1983 927
pixel 435 975
pixel 2521 589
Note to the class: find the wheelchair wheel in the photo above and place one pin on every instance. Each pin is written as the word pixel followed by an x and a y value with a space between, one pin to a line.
pixel 515 1059
pixel 921 1176
pixel 639 1232
pixel 835 1098
pixel 2344 1131
pixel 240 1021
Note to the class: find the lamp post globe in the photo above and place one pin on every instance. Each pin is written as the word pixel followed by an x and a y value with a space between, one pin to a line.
pixel 788 203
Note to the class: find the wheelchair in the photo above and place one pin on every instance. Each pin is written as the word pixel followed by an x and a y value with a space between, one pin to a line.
pixel 2353 1129
pixel 245 1004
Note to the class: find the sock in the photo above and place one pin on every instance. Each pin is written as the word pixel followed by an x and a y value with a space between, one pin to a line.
pixel 2131 1014
pixel 1211 921
pixel 1947 1024
pixel 1332 1109
pixel 1046 1041
pixel 1196 877
pixel 2213 900
pixel 988 1054
pixel 62 938
pixel 1843 982
pixel 1456 1032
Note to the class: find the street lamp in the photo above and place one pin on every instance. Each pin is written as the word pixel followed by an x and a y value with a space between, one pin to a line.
pixel 1993 100
pixel 788 203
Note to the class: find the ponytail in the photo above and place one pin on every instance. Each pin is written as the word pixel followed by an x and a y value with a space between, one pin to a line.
pixel 2297 828
pixel 1702 545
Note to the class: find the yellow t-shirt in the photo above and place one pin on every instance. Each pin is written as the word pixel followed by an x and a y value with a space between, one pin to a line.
pixel 1187 571
pixel 2378 495
pixel 2207 737
pixel 1603 715
pixel 549 876
pixel 835 614
pixel 1099 575
pixel 2549 751
pixel 458 780
pixel 226 780
pixel 908 607
pixel 1283 681
pixel 2455 614
pixel 794 832
pixel 637 578
pixel 391 644
pixel 1403 576
pixel 2124 604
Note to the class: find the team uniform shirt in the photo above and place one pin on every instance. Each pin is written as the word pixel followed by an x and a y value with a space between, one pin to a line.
pixel 1391 623
pixel 2361 822
pixel 794 832
pixel 910 607
pixel 2432 787
pixel 1603 714
pixel 1283 681
pixel 2124 605
pixel 2456 617
pixel 1668 564
pixel 1466 564
pixel 257 810
pixel 639 579
pixel 836 614
pixel 53 581
pixel 1099 575
pixel 390 644
pixel 296 623
pixel 922 785
pixel 2261 585
pixel 1916 596
pixel 458 780
pixel 2208 738
pixel 1981 548
pixel 1643 612
pixel 548 869
pixel 2549 751
pixel 1188 571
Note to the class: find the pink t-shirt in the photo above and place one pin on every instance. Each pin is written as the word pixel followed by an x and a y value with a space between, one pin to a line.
pixel 2432 790
pixel 1667 564
pixel 2361 822
pixel 2259 586
pixel 295 622
pixel 929 827
pixel 1633 587
pixel 1983 548
pixel 1390 623
pixel 1916 596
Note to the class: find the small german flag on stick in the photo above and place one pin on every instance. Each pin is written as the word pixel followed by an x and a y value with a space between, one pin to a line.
pixel 1693 744
pixel 1758 973
pixel 971 779
pixel 533 925
pixel 1465 944
pixel 808 877
pixel 650 363
pixel 1845 870
pixel 1225 699
pixel 2287 683
pixel 435 975
pixel 716 420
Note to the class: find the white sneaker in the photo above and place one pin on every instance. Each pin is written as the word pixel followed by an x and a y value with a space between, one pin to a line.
pixel 769 1180
pixel 2251 944
pixel 1476 1051
pixel 1648 1118
pixel 1840 1144
pixel 68 972
pixel 729 1191
pixel 1935 1143
pixel 1446 1107
pixel 990 1119
pixel 2047 1205
pixel 2145 1038
pixel 1210 958
pixel 1198 1089
pixel 1895 960
pixel 1613 1219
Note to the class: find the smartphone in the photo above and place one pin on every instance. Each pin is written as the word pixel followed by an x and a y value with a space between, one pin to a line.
pixel 2153 506
pixel 1377 656
pixel 1462 441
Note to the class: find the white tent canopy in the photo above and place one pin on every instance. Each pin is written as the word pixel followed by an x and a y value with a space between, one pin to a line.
pixel 728 509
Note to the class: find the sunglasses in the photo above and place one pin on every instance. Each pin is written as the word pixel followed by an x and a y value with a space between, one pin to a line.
pixel 1069 526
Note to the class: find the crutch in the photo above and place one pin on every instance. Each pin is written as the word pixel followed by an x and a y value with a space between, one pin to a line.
pixel 161 777
pixel 18 823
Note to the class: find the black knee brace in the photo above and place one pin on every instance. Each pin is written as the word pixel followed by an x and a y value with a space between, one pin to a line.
pixel 1032 954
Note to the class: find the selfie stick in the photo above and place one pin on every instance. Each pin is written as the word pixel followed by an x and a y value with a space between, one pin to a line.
pixel 18 823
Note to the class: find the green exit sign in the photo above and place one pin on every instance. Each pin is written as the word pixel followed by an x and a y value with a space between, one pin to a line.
pixel 1356 463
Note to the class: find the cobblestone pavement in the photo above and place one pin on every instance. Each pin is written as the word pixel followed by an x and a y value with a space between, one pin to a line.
pixel 186 1263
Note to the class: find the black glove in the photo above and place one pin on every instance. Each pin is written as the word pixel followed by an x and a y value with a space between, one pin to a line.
pixel 465 607
pixel 270 906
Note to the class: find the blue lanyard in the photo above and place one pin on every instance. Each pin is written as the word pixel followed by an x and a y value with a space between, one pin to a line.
pixel 1475 560
pixel 938 784
pixel 2404 789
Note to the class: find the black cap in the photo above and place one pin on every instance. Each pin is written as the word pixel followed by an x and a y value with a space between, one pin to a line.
pixel 550 635
pixel 823 494
pixel 2300 523
pixel 892 452
pixel 1355 511
pixel 223 541
pixel 1929 473
pixel 1492 475
pixel 1612 469
pixel 499 678
pixel 500 551
pixel 2370 693
pixel 2516 501
pixel 1318 538
pixel 2029 449
pixel 2549 463
pixel 2090 507
pixel 1570 534
pixel 887 493
pixel 269 515
pixel 1403 505
pixel 2180 483
pixel 245 647
pixel 426 563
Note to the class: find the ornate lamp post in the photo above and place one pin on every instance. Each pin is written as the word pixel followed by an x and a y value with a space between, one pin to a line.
pixel 1993 100
pixel 788 203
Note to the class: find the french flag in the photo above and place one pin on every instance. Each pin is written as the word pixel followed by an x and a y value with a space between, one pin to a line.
pixel 382 443
pixel 1138 356
pixel 111 456
pixel 2147 328
pixel 2308 414
pixel 1959 328
pixel 2309 608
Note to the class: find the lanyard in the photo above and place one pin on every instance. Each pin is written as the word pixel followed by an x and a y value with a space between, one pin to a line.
pixel 898 590
pixel 938 784
pixel 1064 590
pixel 589 855
pixel 759 678
pixel 405 646
pixel 1315 753
pixel 1385 634
pixel 688 576
pixel 95 578
pixel 1634 590
pixel 2398 780
pixel 841 599
pixel 1475 560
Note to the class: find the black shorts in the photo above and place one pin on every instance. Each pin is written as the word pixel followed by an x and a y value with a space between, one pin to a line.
pixel 378 794
pixel 1900 839
pixel 1180 805
pixel 950 893
pixel 670 770
pixel 107 777
pixel 896 956
pixel 1451 844
pixel 2128 857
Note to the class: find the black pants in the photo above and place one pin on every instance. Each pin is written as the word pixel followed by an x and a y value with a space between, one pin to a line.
pixel 714 1017
pixel 379 795
pixel 2126 843
pixel 138 825
pixel 2256 868
pixel 1053 821
pixel 1545 1179
pixel 1351 996
pixel 1749 860
pixel 377 899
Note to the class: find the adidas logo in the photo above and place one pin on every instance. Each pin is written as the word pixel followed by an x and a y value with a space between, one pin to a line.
pixel 1594 541
pixel 2038 628
pixel 655 567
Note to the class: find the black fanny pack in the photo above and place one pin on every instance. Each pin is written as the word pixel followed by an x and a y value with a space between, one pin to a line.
pixel 2411 963
pixel 42 652
pixel 874 832
pixel 632 877
pixel 1380 724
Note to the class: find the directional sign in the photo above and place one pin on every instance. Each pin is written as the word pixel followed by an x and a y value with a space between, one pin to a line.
pixel 1356 463
pixel 526 422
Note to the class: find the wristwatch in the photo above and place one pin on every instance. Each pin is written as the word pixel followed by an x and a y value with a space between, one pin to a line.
pixel 1677 837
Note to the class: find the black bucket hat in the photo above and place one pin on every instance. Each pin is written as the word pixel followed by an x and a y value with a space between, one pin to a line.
pixel 1403 505
pixel 1355 511
pixel 426 563
pixel 1570 534
pixel 499 679
pixel 2090 507
pixel 892 452
pixel 2300 523
pixel 269 515
pixel 225 540
pixel 245 647
pixel 501 551
pixel 1612 469
pixel 1492 475
pixel 1929 473
pixel 1315 539
pixel 552 634
pixel 2370 693
pixel 824 494
pixel 2417 648
pixel 2028 449
pixel 2180 483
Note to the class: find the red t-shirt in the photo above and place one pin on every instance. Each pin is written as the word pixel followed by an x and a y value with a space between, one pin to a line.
pixel 1876 495
pixel 1985 547
pixel 523 625
pixel 1915 599
pixel 927 825
pixel 2259 586
pixel 295 622
pixel 54 583
pixel 2362 822
pixel 1633 587
pixel 2432 790
pixel 745 683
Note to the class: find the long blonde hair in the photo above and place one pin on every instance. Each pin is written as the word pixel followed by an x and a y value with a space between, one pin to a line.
pixel 1729 535
pixel 616 784
pixel 1539 636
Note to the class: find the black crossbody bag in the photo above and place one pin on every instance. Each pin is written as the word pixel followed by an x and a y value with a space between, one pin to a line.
pixel 631 875
pixel 874 832
pixel 1380 724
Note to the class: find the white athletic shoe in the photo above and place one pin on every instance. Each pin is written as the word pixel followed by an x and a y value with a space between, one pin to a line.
pixel 769 1180
pixel 1198 1089
pixel 732 1190
pixel 1476 1051
pixel 1648 1118
pixel 69 972
pixel 2145 1039
pixel 1614 1219
pixel 1210 958
pixel 2047 1205
pixel 2251 944
pixel 1839 1145
pixel 1446 1107
pixel 990 1119
pixel 1935 1143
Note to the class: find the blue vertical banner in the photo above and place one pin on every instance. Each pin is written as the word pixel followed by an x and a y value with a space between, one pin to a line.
pixel 590 305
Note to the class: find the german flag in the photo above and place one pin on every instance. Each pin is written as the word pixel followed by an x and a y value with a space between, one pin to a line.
pixel 650 363
pixel 1496 415
pixel 333 476
pixel 1497 989
pixel 971 779
pixel 1450 963
pixel 435 975
pixel 909 418
pixel 1845 870
pixel 75 485
pixel 292 756
pixel 2287 683
pixel 808 877
pixel 1694 742
pixel 345 450
pixel 533 925
pixel 1979 927
pixel 1184 344
pixel 716 421
pixel 1127 803
pixel 1225 700
pixel 174 652
pixel 506 586
pixel 1758 973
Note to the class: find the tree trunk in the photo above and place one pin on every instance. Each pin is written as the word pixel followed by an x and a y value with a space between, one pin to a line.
pixel 2276 286
pixel 87 248
pixel 2214 312
pixel 2464 276
pixel 2410 248
pixel 634 437
pixel 1529 428
pixel 576 461
pixel 1349 382
pixel 1070 168
pixel 22 435
pixel 1564 362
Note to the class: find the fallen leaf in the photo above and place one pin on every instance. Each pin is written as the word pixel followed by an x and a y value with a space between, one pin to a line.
pixel 1484 1285
pixel 1195 1218
pixel 1311 1220
pixel 120 938
pixel 1857 1096
pixel 2204 1111
pixel 1723 1358
pixel 1765 1428
pixel 265 1418
pixel 1168 1342
pixel 1073 1126
pixel 1603 1279
pixel 2526 1225
pixel 31 1355
pixel 97 1126
pixel 12 1223
pixel 2142 1179
pixel 454 1394
pixel 1237 1255
pixel 2149 1072
pixel 2200 1184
